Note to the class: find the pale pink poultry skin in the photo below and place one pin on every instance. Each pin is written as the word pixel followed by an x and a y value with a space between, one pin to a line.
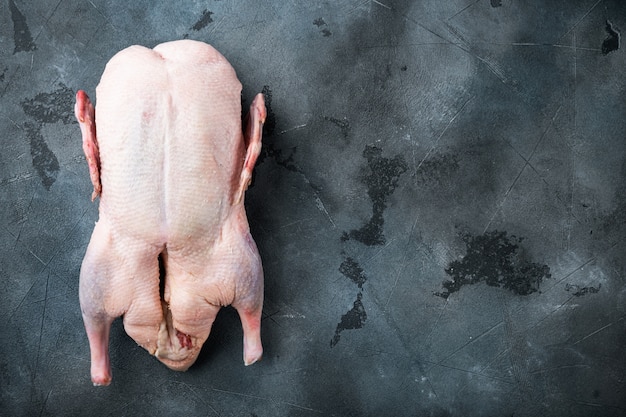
pixel 168 157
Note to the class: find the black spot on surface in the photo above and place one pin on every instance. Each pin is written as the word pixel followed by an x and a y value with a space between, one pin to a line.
pixel 270 119
pixel 21 33
pixel 268 148
pixel 342 124
pixel 436 169
pixel 47 108
pixel 353 319
pixel 45 162
pixel 53 107
pixel 352 270
pixel 497 260
pixel 352 52
pixel 319 22
pixel 4 71
pixel 578 291
pixel 611 43
pixel 381 181
pixel 204 20
pixel 403 68
pixel 287 162
pixel 496 3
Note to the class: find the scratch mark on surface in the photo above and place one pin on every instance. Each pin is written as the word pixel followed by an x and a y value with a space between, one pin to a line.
pixel 580 20
pixel 542 178
pixel 560 306
pixel 65 239
pixel 436 324
pixel 465 46
pixel 464 345
pixel 102 14
pixel 24 176
pixel 54 9
pixel 463 10
pixel 45 401
pixel 295 315
pixel 8 83
pixel 382 4
pixel 398 45
pixel 45 264
pixel 377 253
pixel 28 249
pixel 251 27
pixel 270 316
pixel 515 344
pixel 415 22
pixel 468 371
pixel 526 163
pixel 291 129
pixel 597 405
pixel 597 331
pixel 491 67
pixel 443 133
pixel 288 371
pixel 569 274
pixel 301 407
pixel 241 394
pixel 404 263
pixel 320 206
pixel 549 314
pixel 41 327
pixel 571 153
pixel 556 195
pixel 541 320
pixel 195 394
pixel 23 220
pixel 216 25
pixel 295 222
pixel 558 368
pixel 544 44
pixel 556 284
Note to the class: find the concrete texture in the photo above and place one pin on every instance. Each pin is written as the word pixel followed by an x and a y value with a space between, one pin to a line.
pixel 440 208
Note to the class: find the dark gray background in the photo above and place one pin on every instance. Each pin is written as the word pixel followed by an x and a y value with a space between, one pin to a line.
pixel 407 144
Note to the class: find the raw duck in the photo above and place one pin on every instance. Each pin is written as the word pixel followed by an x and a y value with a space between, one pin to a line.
pixel 170 162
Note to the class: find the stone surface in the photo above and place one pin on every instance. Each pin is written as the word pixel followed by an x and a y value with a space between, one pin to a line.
pixel 407 144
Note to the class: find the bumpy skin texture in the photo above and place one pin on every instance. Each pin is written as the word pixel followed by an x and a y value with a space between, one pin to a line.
pixel 168 157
